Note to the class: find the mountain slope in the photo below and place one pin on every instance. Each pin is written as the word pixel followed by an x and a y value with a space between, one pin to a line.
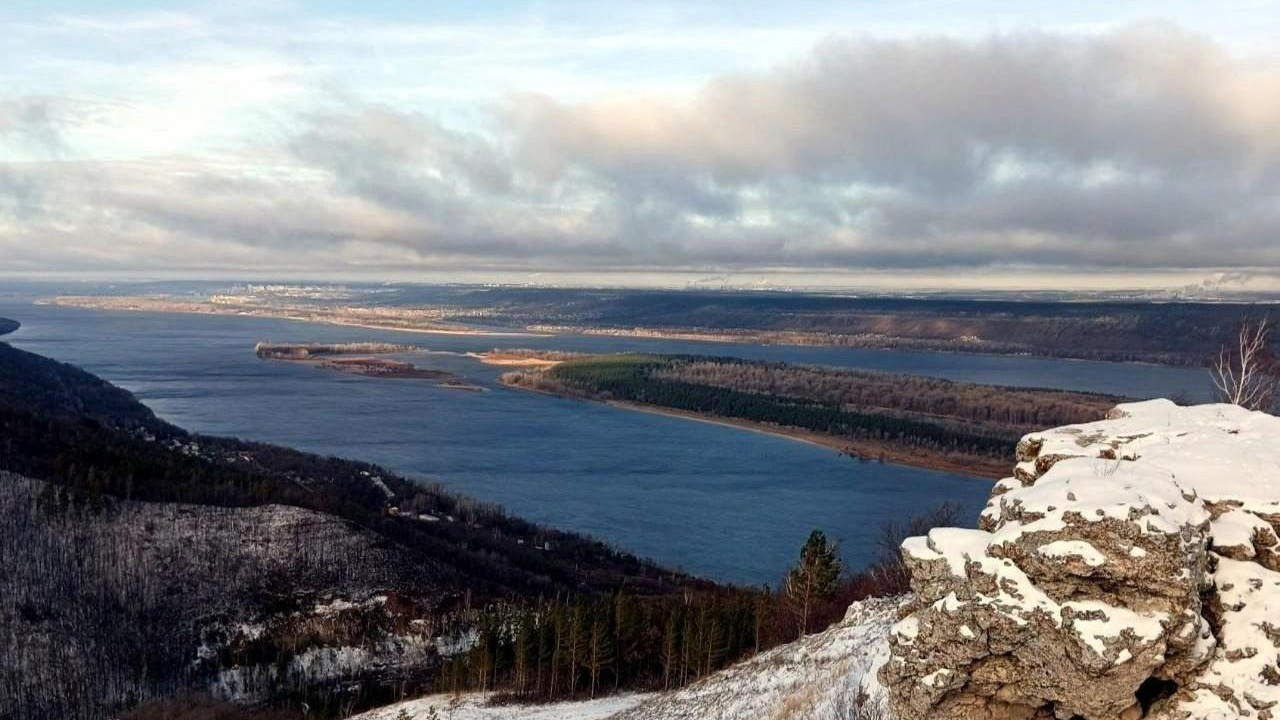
pixel 110 603
pixel 141 561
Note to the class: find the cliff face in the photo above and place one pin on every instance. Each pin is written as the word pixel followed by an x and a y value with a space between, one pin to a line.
pixel 1128 569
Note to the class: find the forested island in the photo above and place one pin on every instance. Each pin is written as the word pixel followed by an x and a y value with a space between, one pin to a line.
pixel 926 422
pixel 359 358
pixel 312 351
pixel 7 326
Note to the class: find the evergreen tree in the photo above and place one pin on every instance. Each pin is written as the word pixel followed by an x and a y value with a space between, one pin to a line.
pixel 814 578
pixel 627 639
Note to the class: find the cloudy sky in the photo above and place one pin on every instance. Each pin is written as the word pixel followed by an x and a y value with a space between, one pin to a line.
pixel 920 140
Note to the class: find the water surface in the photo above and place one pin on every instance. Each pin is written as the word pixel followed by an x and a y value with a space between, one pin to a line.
pixel 727 503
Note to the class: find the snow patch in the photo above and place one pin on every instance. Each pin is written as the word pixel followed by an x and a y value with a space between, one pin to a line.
pixel 474 706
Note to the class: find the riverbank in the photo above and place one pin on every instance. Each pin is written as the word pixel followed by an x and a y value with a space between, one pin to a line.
pixel 962 345
pixel 863 450
pixel 415 320
pixel 525 358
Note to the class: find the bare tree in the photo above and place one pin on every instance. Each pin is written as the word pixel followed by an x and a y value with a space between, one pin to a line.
pixel 1246 372
pixel 889 571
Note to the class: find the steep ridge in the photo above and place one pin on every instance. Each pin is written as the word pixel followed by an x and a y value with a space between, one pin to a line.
pixel 1128 569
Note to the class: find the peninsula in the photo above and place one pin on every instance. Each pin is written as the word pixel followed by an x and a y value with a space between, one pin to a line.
pixel 924 422
pixel 7 326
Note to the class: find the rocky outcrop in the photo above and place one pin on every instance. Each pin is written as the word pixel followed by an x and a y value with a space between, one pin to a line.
pixel 1127 569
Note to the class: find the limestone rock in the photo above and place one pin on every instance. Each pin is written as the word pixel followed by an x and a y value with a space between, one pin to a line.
pixel 1127 569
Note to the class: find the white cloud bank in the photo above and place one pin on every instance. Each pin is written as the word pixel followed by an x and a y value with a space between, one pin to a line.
pixel 1135 150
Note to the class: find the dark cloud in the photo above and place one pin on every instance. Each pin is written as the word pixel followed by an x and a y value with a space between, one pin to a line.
pixel 1140 149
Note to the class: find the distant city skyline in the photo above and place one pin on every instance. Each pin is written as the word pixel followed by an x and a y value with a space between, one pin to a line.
pixel 814 144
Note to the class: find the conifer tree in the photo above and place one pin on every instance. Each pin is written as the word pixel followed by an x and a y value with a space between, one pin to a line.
pixel 814 577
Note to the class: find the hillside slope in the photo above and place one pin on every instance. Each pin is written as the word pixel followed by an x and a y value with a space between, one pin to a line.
pixel 110 603
pixel 826 676
pixel 830 675
pixel 141 561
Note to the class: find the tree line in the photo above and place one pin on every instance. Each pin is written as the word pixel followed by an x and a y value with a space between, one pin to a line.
pixel 577 646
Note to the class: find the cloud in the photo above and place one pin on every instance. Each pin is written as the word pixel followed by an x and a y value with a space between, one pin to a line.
pixel 1142 148
pixel 36 125
pixel 1145 147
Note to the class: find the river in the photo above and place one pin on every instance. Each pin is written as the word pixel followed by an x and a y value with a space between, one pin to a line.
pixel 730 504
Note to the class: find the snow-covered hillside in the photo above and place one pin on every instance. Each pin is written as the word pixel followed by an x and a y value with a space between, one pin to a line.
pixel 825 676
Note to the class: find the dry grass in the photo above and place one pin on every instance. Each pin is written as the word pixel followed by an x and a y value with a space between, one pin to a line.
pixel 834 697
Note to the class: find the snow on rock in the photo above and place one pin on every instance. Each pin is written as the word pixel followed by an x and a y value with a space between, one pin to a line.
pixel 1226 454
pixel 475 706
pixel 1242 535
pixel 1243 679
pixel 1087 553
pixel 824 676
pixel 1133 558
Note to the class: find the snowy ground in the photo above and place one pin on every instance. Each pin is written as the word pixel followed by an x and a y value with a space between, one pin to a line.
pixel 472 707
pixel 830 675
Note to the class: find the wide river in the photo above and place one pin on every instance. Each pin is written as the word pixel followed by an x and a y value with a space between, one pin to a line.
pixel 727 503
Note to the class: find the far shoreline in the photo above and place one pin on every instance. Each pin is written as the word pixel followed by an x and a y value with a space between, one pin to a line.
pixel 763 338
pixel 157 305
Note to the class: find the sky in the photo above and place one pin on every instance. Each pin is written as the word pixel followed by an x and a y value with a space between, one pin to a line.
pixel 914 144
